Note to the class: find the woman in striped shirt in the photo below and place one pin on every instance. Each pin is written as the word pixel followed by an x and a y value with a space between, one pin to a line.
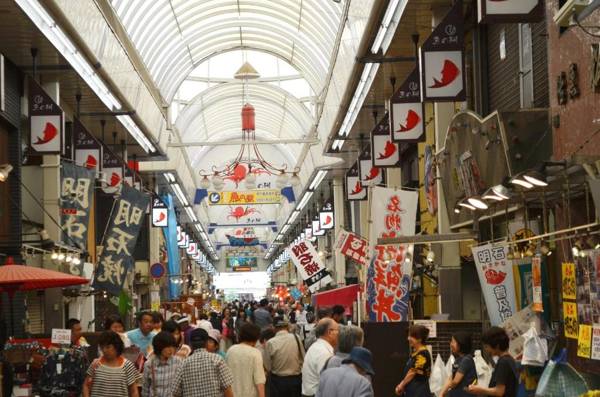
pixel 112 374
pixel 160 369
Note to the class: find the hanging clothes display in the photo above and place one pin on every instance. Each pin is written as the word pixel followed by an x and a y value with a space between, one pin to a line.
pixel 63 372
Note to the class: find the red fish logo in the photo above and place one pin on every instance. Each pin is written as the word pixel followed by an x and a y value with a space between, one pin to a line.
pixel 161 217
pixel 50 132
pixel 390 149
pixel 357 189
pixel 328 220
pixel 91 162
pixel 374 173
pixel 412 120
pixel 115 179
pixel 494 277
pixel 449 73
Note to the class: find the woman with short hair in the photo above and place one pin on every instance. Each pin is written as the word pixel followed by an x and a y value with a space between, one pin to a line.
pixel 418 367
pixel 463 369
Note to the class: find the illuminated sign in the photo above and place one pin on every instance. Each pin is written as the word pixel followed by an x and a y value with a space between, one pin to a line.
pixel 271 196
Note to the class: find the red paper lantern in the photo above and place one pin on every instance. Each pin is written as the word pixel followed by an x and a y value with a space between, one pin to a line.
pixel 248 117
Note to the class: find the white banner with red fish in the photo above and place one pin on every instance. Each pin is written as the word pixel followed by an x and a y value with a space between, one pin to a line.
pixel 46 121
pixel 495 273
pixel 369 174
pixel 385 152
pixel 355 191
pixel 393 214
pixel 407 113
pixel 308 262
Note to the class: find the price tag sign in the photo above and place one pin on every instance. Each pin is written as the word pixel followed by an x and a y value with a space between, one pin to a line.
pixel 61 336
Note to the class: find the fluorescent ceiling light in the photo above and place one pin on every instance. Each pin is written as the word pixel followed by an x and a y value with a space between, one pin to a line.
pixel 294 216
pixel 46 24
pixel 362 89
pixel 388 26
pixel 135 131
pixel 337 144
pixel 525 184
pixel 285 229
pixel 169 177
pixel 304 200
pixel 318 179
pixel 179 194
pixel 191 214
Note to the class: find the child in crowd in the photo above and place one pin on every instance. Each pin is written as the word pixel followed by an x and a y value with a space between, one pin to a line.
pixel 112 374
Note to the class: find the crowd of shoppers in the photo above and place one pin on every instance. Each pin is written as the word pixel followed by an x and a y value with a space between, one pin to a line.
pixel 255 350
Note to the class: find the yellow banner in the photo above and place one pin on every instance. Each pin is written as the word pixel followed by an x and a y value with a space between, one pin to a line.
pixel 271 196
pixel 569 285
pixel 570 314
pixel 584 342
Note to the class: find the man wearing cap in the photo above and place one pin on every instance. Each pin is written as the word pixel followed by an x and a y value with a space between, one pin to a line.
pixel 349 380
pixel 284 356
pixel 203 374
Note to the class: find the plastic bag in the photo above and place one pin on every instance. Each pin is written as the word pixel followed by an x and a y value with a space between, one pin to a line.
pixel 438 377
pixel 484 371
pixel 535 349
pixel 560 379
pixel 449 365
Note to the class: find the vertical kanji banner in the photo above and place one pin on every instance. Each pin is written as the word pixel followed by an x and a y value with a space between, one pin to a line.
pixel 393 214
pixel 495 273
pixel 442 59
pixel 407 112
pixel 119 242
pixel 384 152
pixel 77 187
pixel 46 121
pixel 307 261
pixel 88 151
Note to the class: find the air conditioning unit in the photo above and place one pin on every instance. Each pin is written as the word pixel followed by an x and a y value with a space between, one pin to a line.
pixel 564 16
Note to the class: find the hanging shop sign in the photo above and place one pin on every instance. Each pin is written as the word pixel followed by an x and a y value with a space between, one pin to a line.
pixel 116 258
pixel 442 60
pixel 307 261
pixel 160 213
pixel 88 151
pixel 385 153
pixel 326 217
pixel 192 248
pixel 393 214
pixel 569 285
pixel 77 188
pixel 571 325
pixel 369 174
pixel 353 246
pixel 112 168
pixel 355 191
pixel 407 112
pixel 46 121
pixel 270 196
pixel 495 273
pixel 316 228
pixel 510 11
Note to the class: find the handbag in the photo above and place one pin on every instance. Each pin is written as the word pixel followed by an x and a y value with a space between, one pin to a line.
pixel 560 379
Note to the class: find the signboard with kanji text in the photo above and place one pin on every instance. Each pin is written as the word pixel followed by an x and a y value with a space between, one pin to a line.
pixel 307 261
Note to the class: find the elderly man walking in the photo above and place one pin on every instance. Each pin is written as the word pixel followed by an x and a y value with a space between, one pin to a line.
pixel 327 332
pixel 351 379
pixel 284 356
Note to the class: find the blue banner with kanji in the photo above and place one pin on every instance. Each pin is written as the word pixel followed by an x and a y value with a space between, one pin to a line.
pixel 170 232
pixel 119 241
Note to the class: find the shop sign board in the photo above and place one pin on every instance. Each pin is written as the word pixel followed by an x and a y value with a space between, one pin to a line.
pixel 269 196
pixel 584 341
pixel 326 220
pixel 495 273
pixel 61 336
pixel 536 278
pixel 442 60
pixel 112 167
pixel 355 191
pixel 88 151
pixel 316 228
pixel 160 213
pixel 119 242
pixel 369 174
pixel 307 261
pixel 407 112
pixel 393 214
pixel 385 152
pixel 353 246
pixel 46 121
pixel 76 194
pixel 510 11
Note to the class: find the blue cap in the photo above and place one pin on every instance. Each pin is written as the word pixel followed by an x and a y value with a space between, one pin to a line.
pixel 361 357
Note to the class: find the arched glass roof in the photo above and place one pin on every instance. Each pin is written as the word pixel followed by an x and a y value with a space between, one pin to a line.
pixel 175 36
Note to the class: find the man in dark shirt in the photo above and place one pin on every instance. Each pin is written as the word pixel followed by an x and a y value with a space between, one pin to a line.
pixel 505 379
pixel 261 316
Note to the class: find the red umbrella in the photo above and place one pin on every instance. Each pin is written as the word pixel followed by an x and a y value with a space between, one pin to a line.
pixel 15 278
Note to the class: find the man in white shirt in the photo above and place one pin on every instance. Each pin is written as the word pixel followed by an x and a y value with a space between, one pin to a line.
pixel 327 332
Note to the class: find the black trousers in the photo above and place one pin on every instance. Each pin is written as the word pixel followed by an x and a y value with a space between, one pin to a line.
pixel 286 386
